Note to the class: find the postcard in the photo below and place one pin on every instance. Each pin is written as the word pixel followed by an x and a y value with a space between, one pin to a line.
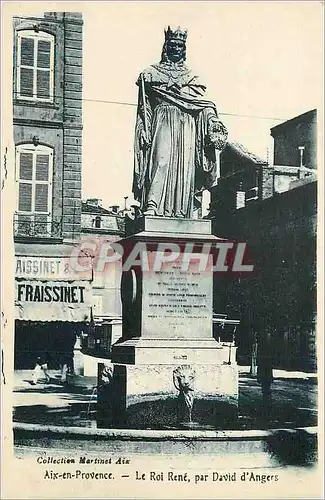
pixel 161 177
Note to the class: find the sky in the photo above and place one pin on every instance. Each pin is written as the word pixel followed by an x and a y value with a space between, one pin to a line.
pixel 260 59
pixel 261 63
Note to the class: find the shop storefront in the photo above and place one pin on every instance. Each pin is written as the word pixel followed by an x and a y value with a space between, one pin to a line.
pixel 52 303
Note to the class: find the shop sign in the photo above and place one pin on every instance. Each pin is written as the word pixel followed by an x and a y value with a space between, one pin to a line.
pixel 52 268
pixel 52 300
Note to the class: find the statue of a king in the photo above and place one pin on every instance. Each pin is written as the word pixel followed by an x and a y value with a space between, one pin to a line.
pixel 176 137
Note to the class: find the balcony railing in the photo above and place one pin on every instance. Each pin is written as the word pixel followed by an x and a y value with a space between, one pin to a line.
pixel 37 226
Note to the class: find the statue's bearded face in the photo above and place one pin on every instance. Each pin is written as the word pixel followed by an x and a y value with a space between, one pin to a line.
pixel 175 50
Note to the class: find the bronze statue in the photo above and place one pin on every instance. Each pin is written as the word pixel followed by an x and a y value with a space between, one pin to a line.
pixel 176 136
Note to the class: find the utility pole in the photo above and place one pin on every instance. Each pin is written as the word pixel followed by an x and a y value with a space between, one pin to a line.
pixel 253 369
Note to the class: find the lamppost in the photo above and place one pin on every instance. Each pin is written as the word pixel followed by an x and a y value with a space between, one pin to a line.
pixel 301 150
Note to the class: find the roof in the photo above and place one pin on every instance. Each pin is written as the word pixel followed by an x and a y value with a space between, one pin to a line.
pixel 94 209
pixel 44 249
pixel 240 150
pixel 304 117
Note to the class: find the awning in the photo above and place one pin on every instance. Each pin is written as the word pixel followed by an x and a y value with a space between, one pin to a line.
pixel 37 300
pixel 45 249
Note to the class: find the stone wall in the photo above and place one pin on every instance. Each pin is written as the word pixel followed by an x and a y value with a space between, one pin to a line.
pixel 72 130
pixel 107 222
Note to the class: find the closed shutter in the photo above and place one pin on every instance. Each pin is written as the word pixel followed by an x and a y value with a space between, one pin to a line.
pixel 43 68
pixel 26 82
pixel 25 190
pixel 43 84
pixel 25 197
pixel 41 197
pixel 44 54
pixel 42 167
pixel 27 66
pixel 27 52
pixel 42 188
pixel 26 166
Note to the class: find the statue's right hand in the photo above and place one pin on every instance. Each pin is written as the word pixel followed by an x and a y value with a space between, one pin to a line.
pixel 145 141
pixel 147 76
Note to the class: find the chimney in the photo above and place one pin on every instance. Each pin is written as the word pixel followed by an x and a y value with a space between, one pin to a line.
pixel 240 196
pixel 94 202
pixel 266 181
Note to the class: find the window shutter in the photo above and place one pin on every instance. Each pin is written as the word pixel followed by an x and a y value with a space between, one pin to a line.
pixel 43 83
pixel 26 82
pixel 26 166
pixel 44 54
pixel 42 167
pixel 26 73
pixel 41 197
pixel 43 68
pixel 25 197
pixel 27 52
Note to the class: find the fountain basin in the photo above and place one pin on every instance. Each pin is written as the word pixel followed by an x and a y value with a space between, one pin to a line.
pixel 250 448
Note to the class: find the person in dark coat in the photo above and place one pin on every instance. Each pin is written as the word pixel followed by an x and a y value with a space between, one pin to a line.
pixel 265 376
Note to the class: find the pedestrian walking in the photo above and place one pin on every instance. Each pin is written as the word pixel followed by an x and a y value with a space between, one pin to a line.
pixel 41 367
pixel 66 367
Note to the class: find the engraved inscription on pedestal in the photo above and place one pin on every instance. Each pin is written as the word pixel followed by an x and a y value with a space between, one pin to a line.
pixel 177 303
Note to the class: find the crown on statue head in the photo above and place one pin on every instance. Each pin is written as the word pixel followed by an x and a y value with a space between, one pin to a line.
pixel 175 34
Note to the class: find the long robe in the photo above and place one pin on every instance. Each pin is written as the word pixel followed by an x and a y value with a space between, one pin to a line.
pixel 170 174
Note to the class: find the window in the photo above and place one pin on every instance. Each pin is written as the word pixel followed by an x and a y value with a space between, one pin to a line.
pixel 251 194
pixel 35 65
pixel 97 221
pixel 240 197
pixel 34 171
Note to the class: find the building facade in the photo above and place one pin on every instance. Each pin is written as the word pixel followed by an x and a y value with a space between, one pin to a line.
pixel 295 151
pixel 277 300
pixel 100 228
pixel 47 114
pixel 241 177
pixel 295 141
pixel 52 301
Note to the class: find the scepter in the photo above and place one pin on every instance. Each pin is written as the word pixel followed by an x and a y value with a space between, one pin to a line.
pixel 144 109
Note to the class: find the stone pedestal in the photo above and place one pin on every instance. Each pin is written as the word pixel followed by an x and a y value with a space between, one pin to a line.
pixel 167 323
